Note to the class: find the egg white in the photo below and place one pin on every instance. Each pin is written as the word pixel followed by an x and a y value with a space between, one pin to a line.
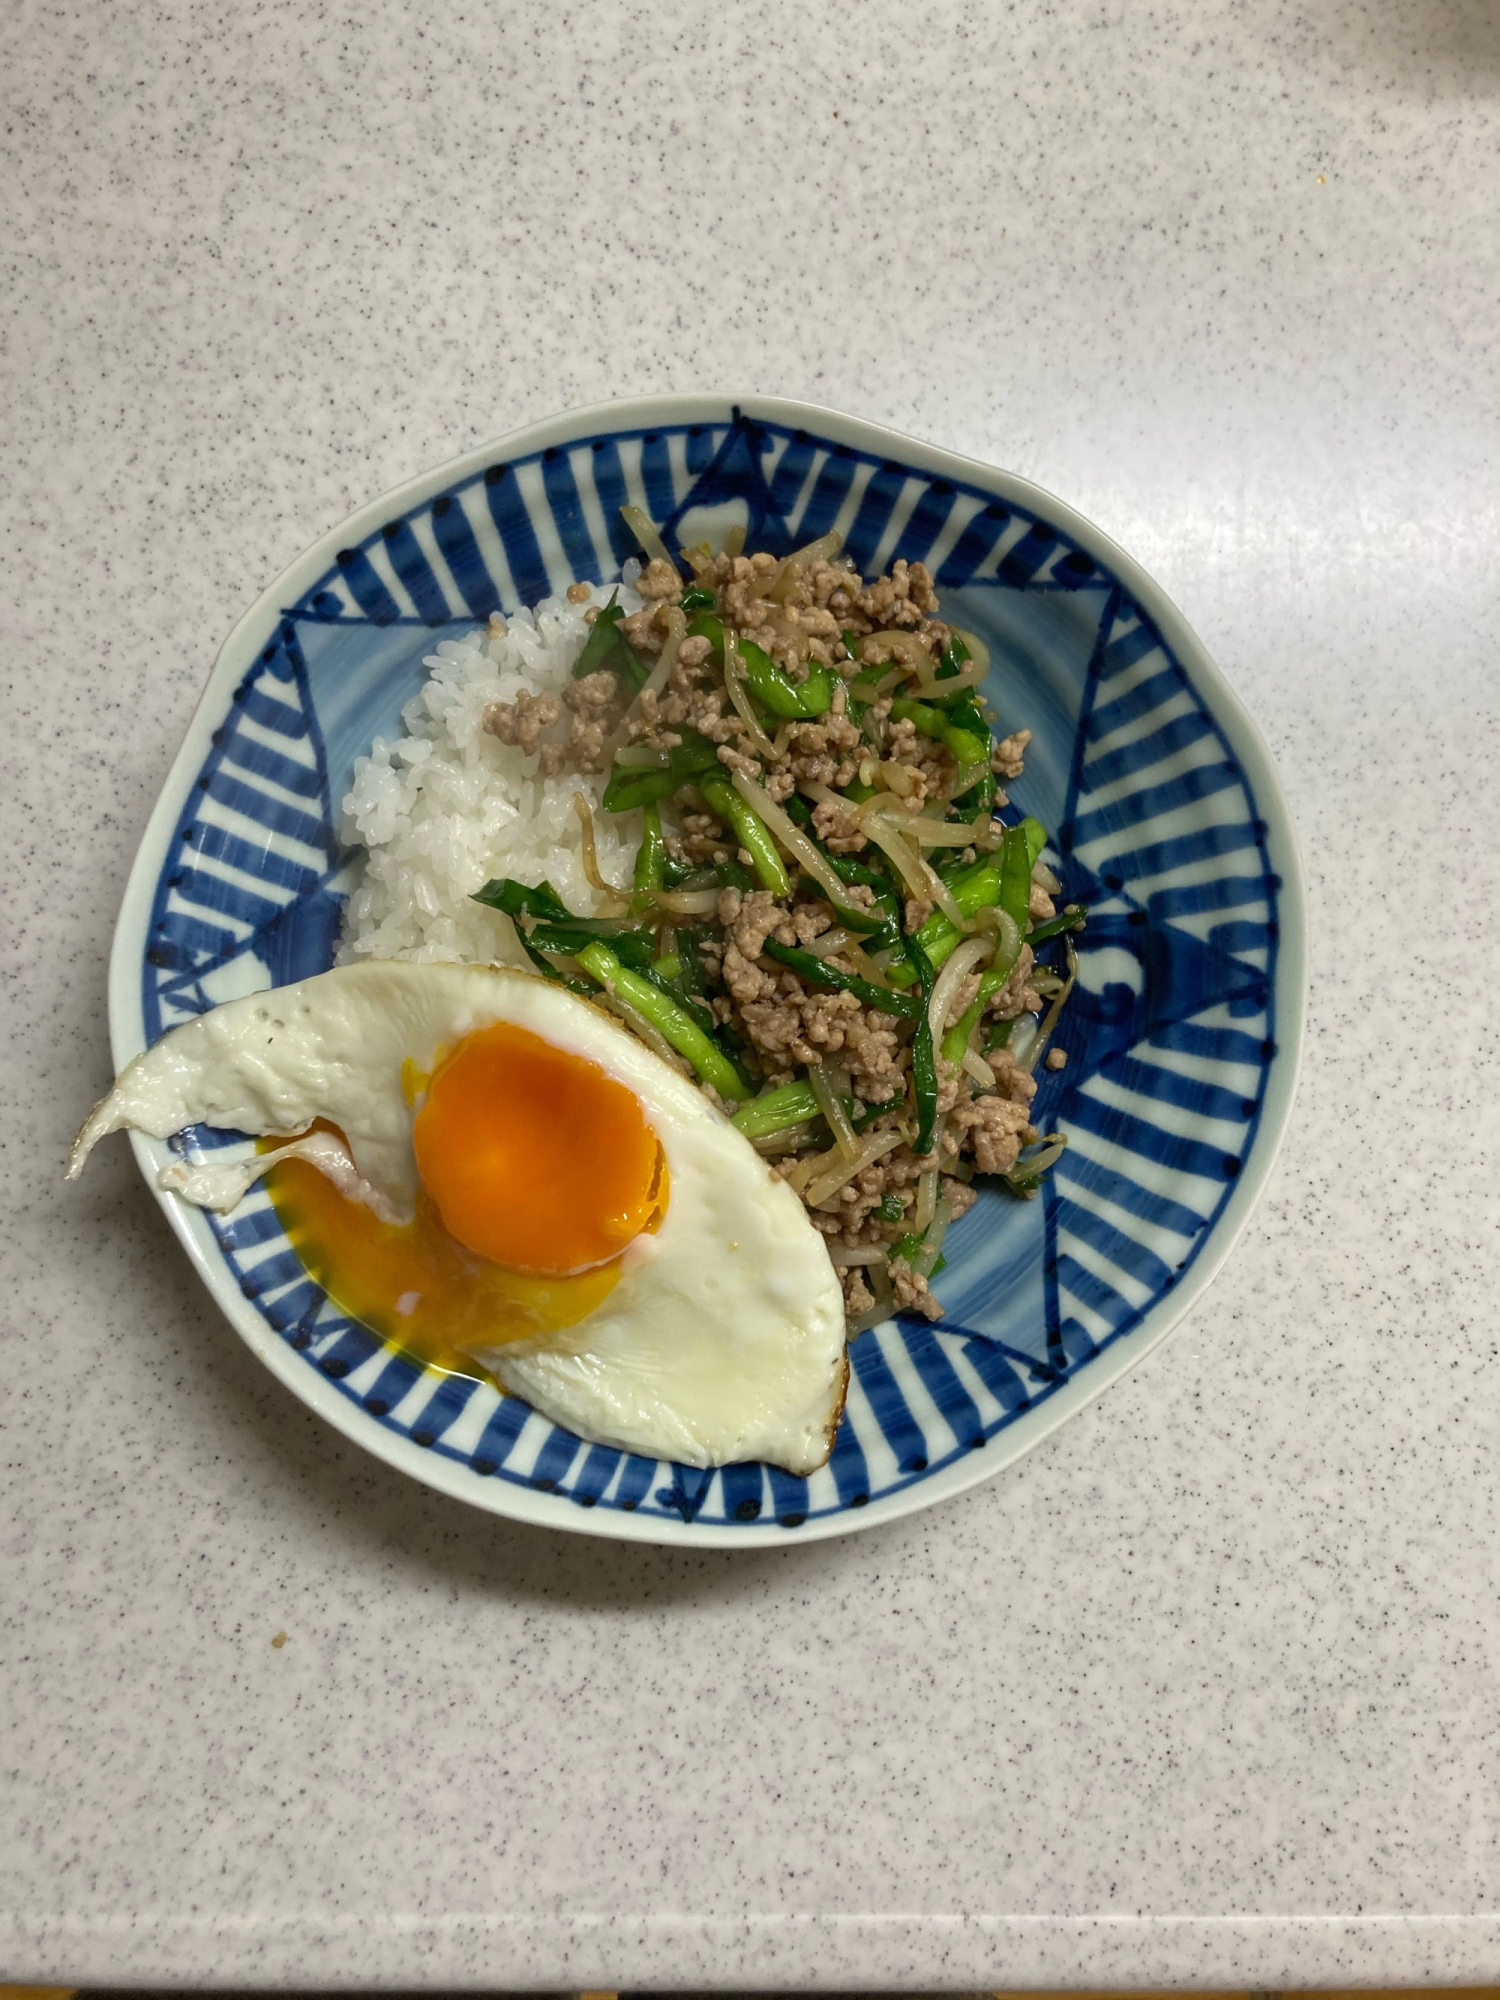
pixel 724 1337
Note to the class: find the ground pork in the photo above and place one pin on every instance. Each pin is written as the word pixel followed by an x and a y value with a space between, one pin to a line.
pixel 903 598
pixel 1008 758
pixel 837 828
pixel 591 704
pixel 959 1196
pixel 962 999
pixel 911 1290
pixel 1017 996
pixel 659 580
pixel 875 1056
pixel 858 1298
pixel 703 840
pixel 522 721
pixel 993 1127
pixel 791 1025
pixel 820 752
pixel 647 628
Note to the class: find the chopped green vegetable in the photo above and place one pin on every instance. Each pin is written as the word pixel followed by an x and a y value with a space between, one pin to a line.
pixel 868 1113
pixel 923 1055
pixel 691 977
pixel 751 832
pixel 964 712
pixel 555 973
pixel 822 973
pixel 728 1034
pixel 1016 859
pixel 978 799
pixel 957 1038
pixel 765 679
pixel 697 599
pixel 956 656
pixel 849 870
pixel 968 748
pixel 517 899
pixel 891 1208
pixel 607 646
pixel 1070 919
pixel 910 1247
pixel 651 853
pixel 626 663
pixel 677 990
pixel 680 972
pixel 990 982
pixel 722 875
pixel 585 928
pixel 669 1016
pixel 550 925
pixel 687 875
pixel 1015 877
pixel 602 640
pixel 1027 1175
pixel 792 1104
pixel 974 888
pixel 782 696
pixel 955 861
pixel 631 947
pixel 877 928
pixel 631 786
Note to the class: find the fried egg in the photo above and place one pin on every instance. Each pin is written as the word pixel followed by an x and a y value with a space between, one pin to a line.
pixel 487 1169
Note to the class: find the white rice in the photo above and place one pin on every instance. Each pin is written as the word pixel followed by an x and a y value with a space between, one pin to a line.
pixel 446 807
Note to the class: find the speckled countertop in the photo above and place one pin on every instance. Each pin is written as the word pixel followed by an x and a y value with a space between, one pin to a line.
pixel 1207 1690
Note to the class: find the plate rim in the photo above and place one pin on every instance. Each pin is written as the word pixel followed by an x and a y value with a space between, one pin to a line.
pixel 246 638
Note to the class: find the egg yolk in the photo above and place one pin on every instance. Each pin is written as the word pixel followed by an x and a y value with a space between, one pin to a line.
pixel 538 1169
pixel 536 1158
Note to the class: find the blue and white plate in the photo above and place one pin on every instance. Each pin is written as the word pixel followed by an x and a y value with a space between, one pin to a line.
pixel 1167 820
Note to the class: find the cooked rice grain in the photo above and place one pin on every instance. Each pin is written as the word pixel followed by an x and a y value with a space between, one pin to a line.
pixel 446 806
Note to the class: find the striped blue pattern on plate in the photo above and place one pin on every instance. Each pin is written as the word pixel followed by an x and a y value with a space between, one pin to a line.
pixel 1171 1036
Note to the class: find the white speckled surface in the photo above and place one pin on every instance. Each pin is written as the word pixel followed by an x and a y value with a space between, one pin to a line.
pixel 1205 1691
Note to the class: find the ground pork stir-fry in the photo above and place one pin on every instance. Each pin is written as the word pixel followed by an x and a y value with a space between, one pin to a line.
pixel 832 924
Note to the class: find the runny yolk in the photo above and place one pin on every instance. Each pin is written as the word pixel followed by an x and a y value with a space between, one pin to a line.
pixel 536 1158
pixel 538 1170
